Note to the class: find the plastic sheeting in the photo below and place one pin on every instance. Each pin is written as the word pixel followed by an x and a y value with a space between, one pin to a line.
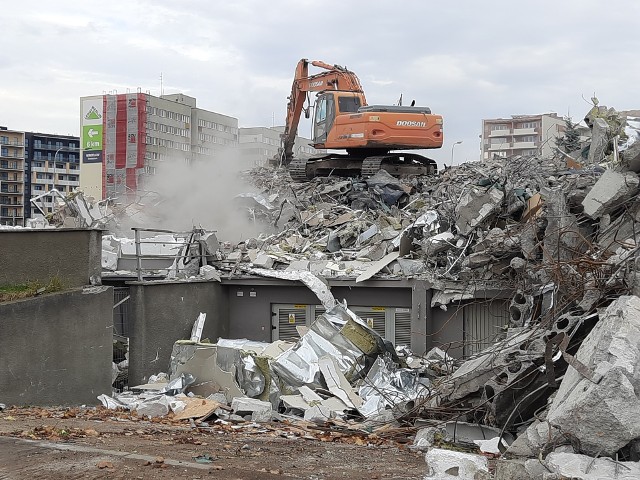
pixel 386 386
pixel 316 285
pixel 299 365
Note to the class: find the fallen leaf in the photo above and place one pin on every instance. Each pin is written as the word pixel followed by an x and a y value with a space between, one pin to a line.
pixel 104 464
pixel 91 432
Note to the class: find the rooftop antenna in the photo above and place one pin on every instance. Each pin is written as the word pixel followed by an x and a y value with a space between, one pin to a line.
pixel 161 87
pixel 273 119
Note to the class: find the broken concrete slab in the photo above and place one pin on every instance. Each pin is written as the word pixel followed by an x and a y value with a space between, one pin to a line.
pixel 583 467
pixel 600 138
pixel 451 465
pixel 260 411
pixel 263 261
pixel 303 265
pixel 611 189
pixel 426 437
pixel 377 266
pixel 477 206
pixel 602 415
pixel 156 406
pixel 209 272
pixel 318 413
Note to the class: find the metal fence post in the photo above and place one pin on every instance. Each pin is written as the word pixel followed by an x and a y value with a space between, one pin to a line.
pixel 138 254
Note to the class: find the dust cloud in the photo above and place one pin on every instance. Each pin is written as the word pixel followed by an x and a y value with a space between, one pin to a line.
pixel 201 194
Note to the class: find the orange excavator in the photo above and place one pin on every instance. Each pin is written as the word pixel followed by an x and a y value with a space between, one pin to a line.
pixel 344 121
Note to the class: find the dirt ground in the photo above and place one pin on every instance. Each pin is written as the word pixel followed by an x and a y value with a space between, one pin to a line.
pixel 98 443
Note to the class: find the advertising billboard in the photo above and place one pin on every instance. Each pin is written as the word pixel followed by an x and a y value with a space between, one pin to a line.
pixel 92 121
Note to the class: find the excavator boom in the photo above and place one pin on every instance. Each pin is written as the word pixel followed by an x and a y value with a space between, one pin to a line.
pixel 334 78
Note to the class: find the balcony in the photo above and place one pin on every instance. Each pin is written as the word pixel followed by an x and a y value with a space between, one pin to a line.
pixel 524 131
pixel 520 145
pixel 500 146
pixel 5 154
pixel 73 183
pixel 500 133
pixel 12 180
pixel 12 143
pixel 53 148
pixel 10 166
pixel 7 191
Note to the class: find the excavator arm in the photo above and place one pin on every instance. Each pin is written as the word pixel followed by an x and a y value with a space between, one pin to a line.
pixel 334 78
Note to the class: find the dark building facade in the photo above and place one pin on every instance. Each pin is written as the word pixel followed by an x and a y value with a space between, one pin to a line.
pixel 51 162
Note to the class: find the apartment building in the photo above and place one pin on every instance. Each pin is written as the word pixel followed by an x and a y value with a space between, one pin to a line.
pixel 258 145
pixel 126 139
pixel 521 135
pixel 51 162
pixel 11 177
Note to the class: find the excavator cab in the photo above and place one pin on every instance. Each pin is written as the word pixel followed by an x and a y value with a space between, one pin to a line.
pixel 326 111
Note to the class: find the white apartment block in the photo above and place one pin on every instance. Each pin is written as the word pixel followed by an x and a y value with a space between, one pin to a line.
pixel 525 135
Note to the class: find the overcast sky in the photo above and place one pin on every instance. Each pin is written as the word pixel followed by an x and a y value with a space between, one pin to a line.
pixel 467 60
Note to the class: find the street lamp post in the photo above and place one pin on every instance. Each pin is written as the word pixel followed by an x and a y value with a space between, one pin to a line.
pixel 452 147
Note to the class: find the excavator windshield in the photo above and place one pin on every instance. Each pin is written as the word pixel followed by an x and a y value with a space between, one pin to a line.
pixel 349 104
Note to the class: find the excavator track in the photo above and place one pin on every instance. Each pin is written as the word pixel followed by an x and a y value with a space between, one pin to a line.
pixel 298 169
pixel 398 165
pixel 371 165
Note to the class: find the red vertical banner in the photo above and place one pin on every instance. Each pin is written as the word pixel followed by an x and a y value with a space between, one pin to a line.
pixel 121 131
pixel 142 129
pixel 104 142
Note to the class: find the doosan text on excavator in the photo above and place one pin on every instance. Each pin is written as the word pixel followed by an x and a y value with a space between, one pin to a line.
pixel 373 136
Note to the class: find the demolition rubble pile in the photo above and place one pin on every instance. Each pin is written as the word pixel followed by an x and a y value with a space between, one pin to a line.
pixel 557 391
pixel 338 370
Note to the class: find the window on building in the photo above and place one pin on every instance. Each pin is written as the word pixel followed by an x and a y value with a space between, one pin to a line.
pixel 499 127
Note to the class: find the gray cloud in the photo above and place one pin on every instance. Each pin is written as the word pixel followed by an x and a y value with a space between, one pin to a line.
pixel 467 60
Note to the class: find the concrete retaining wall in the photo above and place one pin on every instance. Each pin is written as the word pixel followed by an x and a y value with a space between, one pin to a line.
pixel 72 255
pixel 56 349
pixel 163 312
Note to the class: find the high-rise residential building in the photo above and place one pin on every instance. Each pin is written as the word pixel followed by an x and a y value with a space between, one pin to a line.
pixel 126 138
pixel 521 135
pixel 11 177
pixel 51 162
pixel 260 144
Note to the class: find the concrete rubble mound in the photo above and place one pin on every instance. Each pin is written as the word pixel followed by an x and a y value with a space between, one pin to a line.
pixel 558 237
